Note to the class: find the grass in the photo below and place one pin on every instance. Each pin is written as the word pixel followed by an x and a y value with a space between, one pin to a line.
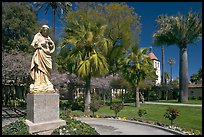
pixel 190 117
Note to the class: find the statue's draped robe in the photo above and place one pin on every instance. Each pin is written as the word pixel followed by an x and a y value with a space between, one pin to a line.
pixel 41 64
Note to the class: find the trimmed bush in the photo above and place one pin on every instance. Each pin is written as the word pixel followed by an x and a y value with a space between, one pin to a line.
pixel 171 114
pixel 94 107
pixel 116 107
pixel 142 112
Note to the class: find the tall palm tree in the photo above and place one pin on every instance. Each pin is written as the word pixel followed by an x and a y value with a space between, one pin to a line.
pixel 181 31
pixel 171 61
pixel 87 54
pixel 57 8
pixel 137 66
pixel 163 80
pixel 166 77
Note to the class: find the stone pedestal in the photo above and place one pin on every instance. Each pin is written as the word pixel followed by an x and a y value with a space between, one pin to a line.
pixel 43 113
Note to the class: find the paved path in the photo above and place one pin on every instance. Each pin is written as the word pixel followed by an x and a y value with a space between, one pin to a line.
pixel 10 115
pixel 175 104
pixel 106 126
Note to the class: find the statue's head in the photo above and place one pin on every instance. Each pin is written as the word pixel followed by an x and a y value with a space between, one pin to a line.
pixel 45 30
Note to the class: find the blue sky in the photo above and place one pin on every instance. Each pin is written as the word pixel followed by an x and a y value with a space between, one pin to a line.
pixel 149 12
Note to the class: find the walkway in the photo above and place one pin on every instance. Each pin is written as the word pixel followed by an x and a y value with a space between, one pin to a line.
pixel 10 115
pixel 106 126
pixel 175 104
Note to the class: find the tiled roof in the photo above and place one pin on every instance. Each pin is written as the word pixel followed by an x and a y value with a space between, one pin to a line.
pixel 152 56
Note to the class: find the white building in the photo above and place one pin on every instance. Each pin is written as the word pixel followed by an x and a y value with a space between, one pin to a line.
pixel 156 64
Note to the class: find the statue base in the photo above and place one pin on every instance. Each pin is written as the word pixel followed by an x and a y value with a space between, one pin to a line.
pixel 43 113
pixel 41 88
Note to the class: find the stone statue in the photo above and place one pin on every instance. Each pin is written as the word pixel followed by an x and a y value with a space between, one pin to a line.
pixel 41 64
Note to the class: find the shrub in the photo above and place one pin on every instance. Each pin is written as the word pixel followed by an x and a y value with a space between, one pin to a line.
pixel 171 114
pixel 64 104
pixel 17 103
pixel 142 112
pixel 153 96
pixel 193 98
pixel 116 107
pixel 77 106
pixel 16 128
pixel 94 106
pixel 199 98
pixel 73 105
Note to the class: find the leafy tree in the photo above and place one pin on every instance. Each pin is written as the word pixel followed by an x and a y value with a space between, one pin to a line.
pixel 19 24
pixel 171 61
pixel 146 84
pixel 136 67
pixel 195 78
pixel 179 30
pixel 88 46
pixel 200 73
pixel 123 29
pixel 16 66
pixel 121 83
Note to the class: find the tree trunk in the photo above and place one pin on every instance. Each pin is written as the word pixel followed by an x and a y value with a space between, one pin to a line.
pixel 166 94
pixel 88 95
pixel 53 31
pixel 183 75
pixel 111 96
pixel 104 98
pixel 137 97
pixel 171 73
pixel 122 97
pixel 162 81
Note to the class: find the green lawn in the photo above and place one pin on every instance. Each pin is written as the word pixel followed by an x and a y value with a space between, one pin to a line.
pixel 190 117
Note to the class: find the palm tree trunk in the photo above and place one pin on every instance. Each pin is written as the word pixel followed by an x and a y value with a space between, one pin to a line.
pixel 137 97
pixel 53 33
pixel 183 75
pixel 88 95
pixel 166 94
pixel 171 73
pixel 162 81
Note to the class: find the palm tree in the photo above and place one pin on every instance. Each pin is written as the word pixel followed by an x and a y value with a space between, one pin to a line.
pixel 163 80
pixel 166 77
pixel 171 61
pixel 57 8
pixel 137 66
pixel 87 54
pixel 181 31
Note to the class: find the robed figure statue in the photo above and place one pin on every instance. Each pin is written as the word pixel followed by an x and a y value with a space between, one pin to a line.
pixel 41 64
